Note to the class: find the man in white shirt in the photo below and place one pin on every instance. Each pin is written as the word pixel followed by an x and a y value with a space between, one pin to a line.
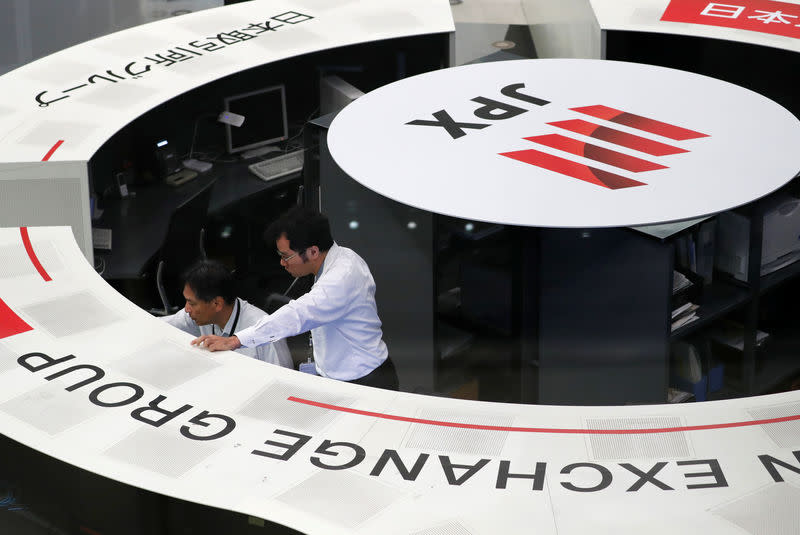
pixel 339 310
pixel 212 308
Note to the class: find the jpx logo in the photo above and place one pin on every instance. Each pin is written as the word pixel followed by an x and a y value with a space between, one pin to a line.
pixel 494 110
pixel 591 151
pixel 490 110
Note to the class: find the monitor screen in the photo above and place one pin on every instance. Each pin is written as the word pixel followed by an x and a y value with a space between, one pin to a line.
pixel 264 114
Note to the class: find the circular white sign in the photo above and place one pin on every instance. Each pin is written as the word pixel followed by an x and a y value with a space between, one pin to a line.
pixel 567 143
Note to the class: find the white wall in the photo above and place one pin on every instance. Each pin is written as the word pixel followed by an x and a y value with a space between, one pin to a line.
pixel 563 28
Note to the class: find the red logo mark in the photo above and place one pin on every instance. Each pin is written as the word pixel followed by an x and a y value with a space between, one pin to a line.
pixel 605 155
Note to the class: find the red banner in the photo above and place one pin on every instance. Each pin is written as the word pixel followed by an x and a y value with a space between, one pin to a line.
pixel 765 16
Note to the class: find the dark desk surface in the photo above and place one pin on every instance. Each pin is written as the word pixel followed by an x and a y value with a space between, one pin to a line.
pixel 139 223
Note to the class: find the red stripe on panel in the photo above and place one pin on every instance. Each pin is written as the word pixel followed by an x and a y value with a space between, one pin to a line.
pixel 572 169
pixel 639 122
pixel 599 111
pixel 624 139
pixel 52 150
pixel 26 241
pixel 594 152
pixel 546 430
pixel 10 323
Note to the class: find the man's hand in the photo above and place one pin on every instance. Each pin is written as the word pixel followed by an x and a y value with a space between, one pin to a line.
pixel 217 343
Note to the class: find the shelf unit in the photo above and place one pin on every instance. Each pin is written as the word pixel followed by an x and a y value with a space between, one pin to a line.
pixel 595 316
pixel 477 335
pixel 757 370
pixel 718 299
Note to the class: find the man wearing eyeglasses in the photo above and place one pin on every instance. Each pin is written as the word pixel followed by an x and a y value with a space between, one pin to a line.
pixel 339 310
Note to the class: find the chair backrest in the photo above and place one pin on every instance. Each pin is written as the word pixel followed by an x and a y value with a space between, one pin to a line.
pixel 183 243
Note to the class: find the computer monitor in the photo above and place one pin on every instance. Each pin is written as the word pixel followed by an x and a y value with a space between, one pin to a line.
pixel 265 122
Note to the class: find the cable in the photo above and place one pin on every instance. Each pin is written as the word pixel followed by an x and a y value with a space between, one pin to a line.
pixel 291 285
pixel 99 265
pixel 302 129
pixel 194 131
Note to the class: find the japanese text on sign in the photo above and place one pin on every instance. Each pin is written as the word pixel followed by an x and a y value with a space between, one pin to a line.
pixel 765 16
pixel 179 53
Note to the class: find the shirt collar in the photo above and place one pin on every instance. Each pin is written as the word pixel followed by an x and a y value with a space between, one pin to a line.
pixel 331 252
pixel 237 306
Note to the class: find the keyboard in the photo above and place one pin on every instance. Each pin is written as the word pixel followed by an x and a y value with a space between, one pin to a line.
pixel 285 164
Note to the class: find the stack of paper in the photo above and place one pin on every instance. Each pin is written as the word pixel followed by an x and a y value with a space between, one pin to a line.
pixel 679 282
pixel 686 362
pixel 676 396
pixel 684 314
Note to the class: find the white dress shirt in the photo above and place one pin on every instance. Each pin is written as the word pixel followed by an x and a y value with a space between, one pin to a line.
pixel 276 353
pixel 340 312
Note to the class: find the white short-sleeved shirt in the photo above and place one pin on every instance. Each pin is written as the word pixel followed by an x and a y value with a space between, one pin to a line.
pixel 274 353
pixel 340 312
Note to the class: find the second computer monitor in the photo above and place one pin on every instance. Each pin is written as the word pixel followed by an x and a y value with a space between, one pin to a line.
pixel 265 122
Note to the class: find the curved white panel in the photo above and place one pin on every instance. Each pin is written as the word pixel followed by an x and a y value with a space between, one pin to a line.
pixel 77 375
pixel 82 95
pixel 567 143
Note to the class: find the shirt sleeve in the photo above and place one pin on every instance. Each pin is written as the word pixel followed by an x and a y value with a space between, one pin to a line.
pixel 275 353
pixel 182 321
pixel 328 300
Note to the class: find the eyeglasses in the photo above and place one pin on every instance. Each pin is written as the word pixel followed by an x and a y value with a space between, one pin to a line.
pixel 286 258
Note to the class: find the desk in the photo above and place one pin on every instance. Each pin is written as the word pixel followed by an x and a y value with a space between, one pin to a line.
pixel 58 112
pixel 138 223
pixel 426 464
pixel 235 184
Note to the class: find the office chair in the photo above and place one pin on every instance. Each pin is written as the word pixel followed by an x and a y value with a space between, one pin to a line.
pixel 276 300
pixel 183 245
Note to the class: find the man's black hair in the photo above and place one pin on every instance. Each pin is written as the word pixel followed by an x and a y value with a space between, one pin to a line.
pixel 209 279
pixel 303 228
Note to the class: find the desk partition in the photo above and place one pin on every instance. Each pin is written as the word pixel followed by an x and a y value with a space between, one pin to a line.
pixel 88 378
